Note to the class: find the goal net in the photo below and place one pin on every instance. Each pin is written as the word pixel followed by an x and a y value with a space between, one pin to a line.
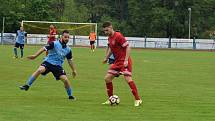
pixel 39 30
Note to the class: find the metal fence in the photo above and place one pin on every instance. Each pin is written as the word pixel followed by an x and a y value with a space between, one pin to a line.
pixel 136 42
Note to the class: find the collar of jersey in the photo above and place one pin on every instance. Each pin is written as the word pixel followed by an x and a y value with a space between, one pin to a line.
pixel 63 45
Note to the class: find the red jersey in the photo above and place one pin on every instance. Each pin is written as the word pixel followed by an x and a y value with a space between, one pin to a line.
pixel 52 32
pixel 118 45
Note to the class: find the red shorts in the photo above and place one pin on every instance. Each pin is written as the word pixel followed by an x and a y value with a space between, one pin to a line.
pixel 118 68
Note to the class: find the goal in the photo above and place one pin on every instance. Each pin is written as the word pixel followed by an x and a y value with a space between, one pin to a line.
pixel 38 31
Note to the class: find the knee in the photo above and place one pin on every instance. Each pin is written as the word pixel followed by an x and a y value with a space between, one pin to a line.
pixel 107 79
pixel 40 70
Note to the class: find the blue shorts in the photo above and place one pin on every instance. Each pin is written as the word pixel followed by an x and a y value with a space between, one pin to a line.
pixel 17 45
pixel 57 71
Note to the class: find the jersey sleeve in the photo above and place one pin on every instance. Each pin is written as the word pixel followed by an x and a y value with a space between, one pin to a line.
pixel 122 41
pixel 69 55
pixel 17 32
pixel 49 46
pixel 25 34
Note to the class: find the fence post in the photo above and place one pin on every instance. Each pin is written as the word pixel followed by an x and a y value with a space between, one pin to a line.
pixel 194 43
pixel 145 42
pixel 2 32
pixel 2 37
pixel 73 40
pixel 97 38
pixel 169 44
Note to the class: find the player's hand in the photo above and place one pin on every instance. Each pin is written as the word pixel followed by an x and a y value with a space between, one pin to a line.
pixel 74 73
pixel 125 63
pixel 31 57
pixel 104 61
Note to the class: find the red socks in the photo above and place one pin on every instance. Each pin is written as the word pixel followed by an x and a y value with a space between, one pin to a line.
pixel 132 85
pixel 134 90
pixel 109 87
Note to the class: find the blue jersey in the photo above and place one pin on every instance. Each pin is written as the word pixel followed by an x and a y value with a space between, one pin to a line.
pixel 57 52
pixel 21 36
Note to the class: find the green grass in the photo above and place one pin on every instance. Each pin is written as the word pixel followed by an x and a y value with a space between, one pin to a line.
pixel 175 86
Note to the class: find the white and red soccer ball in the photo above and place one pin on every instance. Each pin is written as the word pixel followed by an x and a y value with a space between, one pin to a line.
pixel 114 100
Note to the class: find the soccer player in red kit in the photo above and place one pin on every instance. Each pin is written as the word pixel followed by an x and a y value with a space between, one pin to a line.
pixel 122 64
pixel 51 36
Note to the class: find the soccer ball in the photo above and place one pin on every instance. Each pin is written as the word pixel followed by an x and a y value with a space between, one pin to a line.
pixel 114 99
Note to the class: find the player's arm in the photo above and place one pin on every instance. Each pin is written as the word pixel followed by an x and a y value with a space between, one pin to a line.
pixel 71 63
pixel 25 34
pixel 121 39
pixel 107 55
pixel 128 50
pixel 16 34
pixel 32 57
pixel 41 50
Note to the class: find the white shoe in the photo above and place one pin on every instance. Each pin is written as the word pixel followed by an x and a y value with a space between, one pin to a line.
pixel 106 102
pixel 137 103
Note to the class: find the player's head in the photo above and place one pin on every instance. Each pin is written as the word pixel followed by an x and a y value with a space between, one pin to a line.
pixel 51 26
pixel 65 36
pixel 108 28
pixel 21 28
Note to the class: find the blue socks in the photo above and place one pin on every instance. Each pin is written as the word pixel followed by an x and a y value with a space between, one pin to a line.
pixel 69 91
pixel 15 51
pixel 30 81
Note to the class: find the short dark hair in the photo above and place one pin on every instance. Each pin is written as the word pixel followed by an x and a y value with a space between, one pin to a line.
pixel 65 31
pixel 106 24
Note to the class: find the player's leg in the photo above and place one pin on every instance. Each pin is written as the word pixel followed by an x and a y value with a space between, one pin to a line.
pixel 109 86
pixel 67 86
pixel 134 90
pixel 60 74
pixel 132 86
pixel 127 72
pixel 22 50
pixel 91 45
pixel 33 77
pixel 15 50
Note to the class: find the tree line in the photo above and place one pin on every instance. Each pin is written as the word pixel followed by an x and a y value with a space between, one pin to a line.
pixel 151 18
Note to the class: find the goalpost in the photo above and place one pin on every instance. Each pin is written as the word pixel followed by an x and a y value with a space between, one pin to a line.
pixel 38 31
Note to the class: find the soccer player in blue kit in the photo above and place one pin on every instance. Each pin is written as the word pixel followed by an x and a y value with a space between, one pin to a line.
pixel 57 52
pixel 20 41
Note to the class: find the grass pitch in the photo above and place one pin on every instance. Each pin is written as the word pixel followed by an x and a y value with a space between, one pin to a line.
pixel 174 85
